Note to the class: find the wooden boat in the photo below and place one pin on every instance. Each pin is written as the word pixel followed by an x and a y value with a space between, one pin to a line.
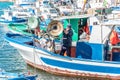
pixel 92 58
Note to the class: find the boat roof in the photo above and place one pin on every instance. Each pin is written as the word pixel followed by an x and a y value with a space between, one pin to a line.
pixel 111 22
pixel 73 17
pixel 116 11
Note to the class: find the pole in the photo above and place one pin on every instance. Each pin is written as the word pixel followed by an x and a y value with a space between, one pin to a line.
pixel 83 8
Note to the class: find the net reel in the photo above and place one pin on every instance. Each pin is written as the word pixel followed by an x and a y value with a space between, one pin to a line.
pixel 55 28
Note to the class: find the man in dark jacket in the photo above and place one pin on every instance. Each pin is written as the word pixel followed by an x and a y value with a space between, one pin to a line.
pixel 67 41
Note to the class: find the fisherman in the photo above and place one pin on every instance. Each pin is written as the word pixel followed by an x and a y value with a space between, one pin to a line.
pixel 67 41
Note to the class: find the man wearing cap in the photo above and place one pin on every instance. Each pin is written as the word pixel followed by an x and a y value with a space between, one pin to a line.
pixel 67 41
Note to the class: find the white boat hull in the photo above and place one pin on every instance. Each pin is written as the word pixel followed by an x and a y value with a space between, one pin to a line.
pixel 36 58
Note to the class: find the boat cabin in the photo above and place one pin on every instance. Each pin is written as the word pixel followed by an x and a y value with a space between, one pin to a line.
pixel 96 45
pixel 99 42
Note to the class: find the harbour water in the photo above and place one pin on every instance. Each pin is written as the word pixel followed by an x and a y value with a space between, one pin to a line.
pixel 11 60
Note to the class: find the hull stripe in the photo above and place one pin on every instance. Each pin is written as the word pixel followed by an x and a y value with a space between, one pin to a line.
pixel 83 67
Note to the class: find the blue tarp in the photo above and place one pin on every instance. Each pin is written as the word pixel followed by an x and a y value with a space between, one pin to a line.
pixel 89 51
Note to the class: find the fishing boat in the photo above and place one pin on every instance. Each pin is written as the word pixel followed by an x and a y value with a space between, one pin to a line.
pixel 24 3
pixel 24 28
pixel 13 20
pixel 8 17
pixel 16 76
pixel 21 12
pixel 95 57
pixel 20 29
pixel 115 13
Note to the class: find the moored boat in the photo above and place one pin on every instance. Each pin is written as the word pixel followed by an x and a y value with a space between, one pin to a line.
pixel 20 29
pixel 26 28
pixel 8 17
pixel 13 20
pixel 115 13
pixel 92 58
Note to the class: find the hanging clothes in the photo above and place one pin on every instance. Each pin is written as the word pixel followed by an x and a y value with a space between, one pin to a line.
pixel 114 38
pixel 86 29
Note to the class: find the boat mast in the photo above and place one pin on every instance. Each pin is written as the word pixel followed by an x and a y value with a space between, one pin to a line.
pixel 102 42
pixel 101 20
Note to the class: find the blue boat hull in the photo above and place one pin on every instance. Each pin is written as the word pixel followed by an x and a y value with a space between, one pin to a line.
pixel 63 65
pixel 14 20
